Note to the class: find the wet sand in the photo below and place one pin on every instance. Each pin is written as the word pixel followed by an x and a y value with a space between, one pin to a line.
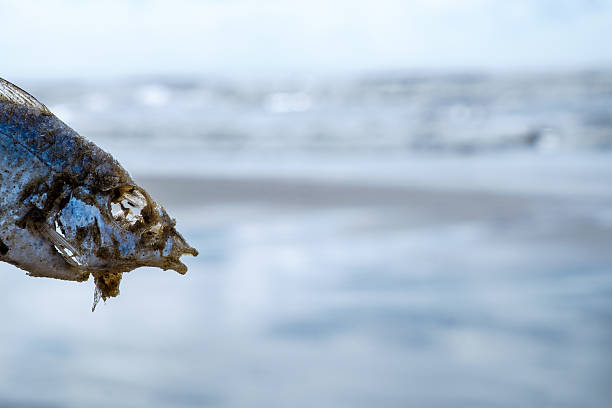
pixel 579 223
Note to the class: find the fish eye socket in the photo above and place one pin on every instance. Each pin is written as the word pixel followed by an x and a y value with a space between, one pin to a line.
pixel 127 205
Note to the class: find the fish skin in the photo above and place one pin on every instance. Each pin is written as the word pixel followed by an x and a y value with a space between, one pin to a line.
pixel 68 210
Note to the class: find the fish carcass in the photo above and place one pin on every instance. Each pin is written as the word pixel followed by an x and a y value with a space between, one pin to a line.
pixel 68 209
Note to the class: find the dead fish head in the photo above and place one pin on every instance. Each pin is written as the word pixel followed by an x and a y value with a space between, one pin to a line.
pixel 113 231
pixel 68 209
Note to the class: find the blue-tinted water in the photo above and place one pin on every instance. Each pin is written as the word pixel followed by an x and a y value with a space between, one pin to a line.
pixel 390 113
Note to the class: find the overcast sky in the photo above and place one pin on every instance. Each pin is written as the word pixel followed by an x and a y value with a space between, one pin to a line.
pixel 67 38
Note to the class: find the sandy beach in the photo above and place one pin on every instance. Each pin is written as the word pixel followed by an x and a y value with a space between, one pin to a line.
pixel 411 206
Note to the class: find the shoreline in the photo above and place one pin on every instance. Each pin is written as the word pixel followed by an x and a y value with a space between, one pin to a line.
pixel 515 216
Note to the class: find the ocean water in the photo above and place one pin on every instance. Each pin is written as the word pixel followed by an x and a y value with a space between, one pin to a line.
pixel 389 113
pixel 389 240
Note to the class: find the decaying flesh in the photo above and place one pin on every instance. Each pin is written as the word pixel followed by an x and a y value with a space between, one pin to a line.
pixel 68 209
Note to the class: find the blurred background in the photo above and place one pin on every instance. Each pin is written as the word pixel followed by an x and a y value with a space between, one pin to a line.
pixel 396 203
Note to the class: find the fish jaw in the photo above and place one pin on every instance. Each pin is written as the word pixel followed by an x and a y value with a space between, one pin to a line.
pixel 175 246
pixel 91 242
pixel 107 280
pixel 90 237
pixel 80 236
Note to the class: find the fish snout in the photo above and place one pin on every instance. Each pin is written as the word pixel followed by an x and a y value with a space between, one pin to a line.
pixel 174 247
